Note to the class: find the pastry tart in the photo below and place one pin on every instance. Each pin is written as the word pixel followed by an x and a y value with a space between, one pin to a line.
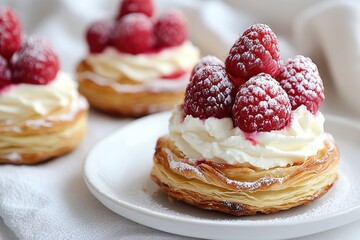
pixel 249 138
pixel 242 189
pixel 42 115
pixel 129 99
pixel 136 64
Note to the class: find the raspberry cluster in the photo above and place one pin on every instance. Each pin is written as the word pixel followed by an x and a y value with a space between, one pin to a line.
pixel 255 87
pixel 135 31
pixel 31 60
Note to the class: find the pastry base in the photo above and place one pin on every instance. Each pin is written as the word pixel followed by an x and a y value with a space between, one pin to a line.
pixel 38 140
pixel 240 189
pixel 105 98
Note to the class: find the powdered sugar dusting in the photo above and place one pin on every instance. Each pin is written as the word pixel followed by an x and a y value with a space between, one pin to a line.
pixel 13 156
pixel 10 32
pixel 134 34
pixel 170 29
pixel 132 22
pixel 47 122
pixel 261 105
pixel 265 181
pixel 156 85
pixel 5 74
pixel 38 123
pixel 300 78
pixel 208 60
pixel 338 199
pixel 210 93
pixel 98 35
pixel 36 62
pixel 176 163
pixel 254 52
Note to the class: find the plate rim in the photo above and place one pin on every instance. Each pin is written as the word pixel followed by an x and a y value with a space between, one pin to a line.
pixel 247 223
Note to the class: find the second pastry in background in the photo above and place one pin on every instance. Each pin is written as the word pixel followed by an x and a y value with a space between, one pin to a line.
pixel 138 63
pixel 42 115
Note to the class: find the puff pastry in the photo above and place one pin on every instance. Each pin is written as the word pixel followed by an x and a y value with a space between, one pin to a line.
pixel 118 101
pixel 37 140
pixel 242 189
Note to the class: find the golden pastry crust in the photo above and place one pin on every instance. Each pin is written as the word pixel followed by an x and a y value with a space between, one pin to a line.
pixel 38 140
pixel 243 190
pixel 131 104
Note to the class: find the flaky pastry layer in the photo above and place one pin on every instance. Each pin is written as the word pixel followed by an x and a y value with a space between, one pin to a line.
pixel 240 189
pixel 38 140
pixel 133 104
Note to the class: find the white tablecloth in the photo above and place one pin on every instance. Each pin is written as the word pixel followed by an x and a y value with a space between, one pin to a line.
pixel 51 201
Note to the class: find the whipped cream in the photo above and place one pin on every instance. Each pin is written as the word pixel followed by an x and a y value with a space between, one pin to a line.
pixel 27 101
pixel 155 86
pixel 219 141
pixel 114 65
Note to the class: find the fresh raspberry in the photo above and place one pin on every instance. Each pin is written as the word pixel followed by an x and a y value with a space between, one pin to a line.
pixel 256 51
pixel 207 61
pixel 300 79
pixel 35 63
pixel 210 93
pixel 5 74
pixel 98 35
pixel 10 33
pixel 136 6
pixel 134 34
pixel 261 105
pixel 170 29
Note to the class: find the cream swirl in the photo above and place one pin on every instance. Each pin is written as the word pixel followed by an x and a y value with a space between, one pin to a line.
pixel 113 64
pixel 27 101
pixel 218 140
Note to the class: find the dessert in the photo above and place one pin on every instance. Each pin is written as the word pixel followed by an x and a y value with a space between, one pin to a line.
pixel 249 137
pixel 137 63
pixel 41 113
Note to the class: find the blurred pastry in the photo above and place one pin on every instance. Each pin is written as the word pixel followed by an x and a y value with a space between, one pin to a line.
pixel 41 113
pixel 137 64
pixel 256 148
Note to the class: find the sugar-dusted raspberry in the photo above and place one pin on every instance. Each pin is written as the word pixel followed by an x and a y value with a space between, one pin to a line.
pixel 300 79
pixel 35 63
pixel 261 105
pixel 5 74
pixel 134 34
pixel 208 60
pixel 256 51
pixel 136 6
pixel 10 33
pixel 210 93
pixel 98 35
pixel 170 29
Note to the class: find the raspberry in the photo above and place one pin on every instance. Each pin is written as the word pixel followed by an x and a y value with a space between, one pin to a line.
pixel 5 74
pixel 170 29
pixel 207 61
pixel 134 34
pixel 136 6
pixel 35 63
pixel 256 51
pixel 98 35
pixel 300 79
pixel 210 93
pixel 10 33
pixel 261 105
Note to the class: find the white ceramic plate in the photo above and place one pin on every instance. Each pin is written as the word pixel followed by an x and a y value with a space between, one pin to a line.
pixel 117 172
